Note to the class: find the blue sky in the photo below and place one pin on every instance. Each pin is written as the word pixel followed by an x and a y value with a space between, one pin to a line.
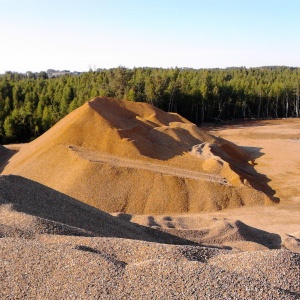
pixel 78 34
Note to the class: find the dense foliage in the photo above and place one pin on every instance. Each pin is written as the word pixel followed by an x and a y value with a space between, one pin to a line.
pixel 30 104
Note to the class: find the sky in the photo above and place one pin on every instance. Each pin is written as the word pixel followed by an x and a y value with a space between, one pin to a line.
pixel 77 35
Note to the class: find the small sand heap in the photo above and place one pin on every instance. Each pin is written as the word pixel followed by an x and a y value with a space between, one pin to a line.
pixel 134 158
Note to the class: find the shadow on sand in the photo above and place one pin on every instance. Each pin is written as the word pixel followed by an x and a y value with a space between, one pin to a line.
pixel 257 180
pixel 5 155
pixel 32 198
pixel 227 232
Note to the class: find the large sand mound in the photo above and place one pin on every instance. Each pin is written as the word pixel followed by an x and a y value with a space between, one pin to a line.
pixel 132 157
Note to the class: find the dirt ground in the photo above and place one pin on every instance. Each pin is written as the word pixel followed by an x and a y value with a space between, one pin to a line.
pixel 275 146
pixel 74 251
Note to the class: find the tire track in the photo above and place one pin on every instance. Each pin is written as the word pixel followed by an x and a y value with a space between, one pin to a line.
pixel 117 161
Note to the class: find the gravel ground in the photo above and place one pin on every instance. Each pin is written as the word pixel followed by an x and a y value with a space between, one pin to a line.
pixel 55 247
pixel 62 267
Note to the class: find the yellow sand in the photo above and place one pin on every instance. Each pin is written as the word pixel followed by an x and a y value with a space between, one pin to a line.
pixel 132 157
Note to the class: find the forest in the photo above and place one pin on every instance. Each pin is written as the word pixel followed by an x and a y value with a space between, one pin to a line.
pixel 31 103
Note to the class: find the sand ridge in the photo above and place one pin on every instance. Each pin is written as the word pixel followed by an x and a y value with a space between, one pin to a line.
pixel 132 157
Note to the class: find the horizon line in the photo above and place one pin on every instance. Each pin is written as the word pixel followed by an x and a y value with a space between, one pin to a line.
pixel 147 67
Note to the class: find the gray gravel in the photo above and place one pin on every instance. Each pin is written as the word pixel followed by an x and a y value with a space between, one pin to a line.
pixel 62 267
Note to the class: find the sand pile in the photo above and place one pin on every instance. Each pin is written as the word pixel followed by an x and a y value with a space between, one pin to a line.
pixel 39 261
pixel 248 229
pixel 5 154
pixel 132 157
pixel 28 208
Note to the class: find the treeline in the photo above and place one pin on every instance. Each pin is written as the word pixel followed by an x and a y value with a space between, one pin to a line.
pixel 30 104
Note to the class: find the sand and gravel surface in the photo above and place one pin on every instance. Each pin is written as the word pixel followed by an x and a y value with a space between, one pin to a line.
pixel 275 149
pixel 55 246
pixel 57 267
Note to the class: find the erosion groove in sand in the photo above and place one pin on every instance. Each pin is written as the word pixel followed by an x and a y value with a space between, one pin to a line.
pixel 117 161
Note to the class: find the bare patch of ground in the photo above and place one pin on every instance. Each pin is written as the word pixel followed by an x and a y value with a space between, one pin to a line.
pixel 274 146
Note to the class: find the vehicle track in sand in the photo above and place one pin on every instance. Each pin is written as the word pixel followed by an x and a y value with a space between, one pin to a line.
pixel 117 161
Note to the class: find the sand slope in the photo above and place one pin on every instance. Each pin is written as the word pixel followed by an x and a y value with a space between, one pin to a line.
pixel 275 147
pixel 132 157
pixel 246 229
pixel 28 208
